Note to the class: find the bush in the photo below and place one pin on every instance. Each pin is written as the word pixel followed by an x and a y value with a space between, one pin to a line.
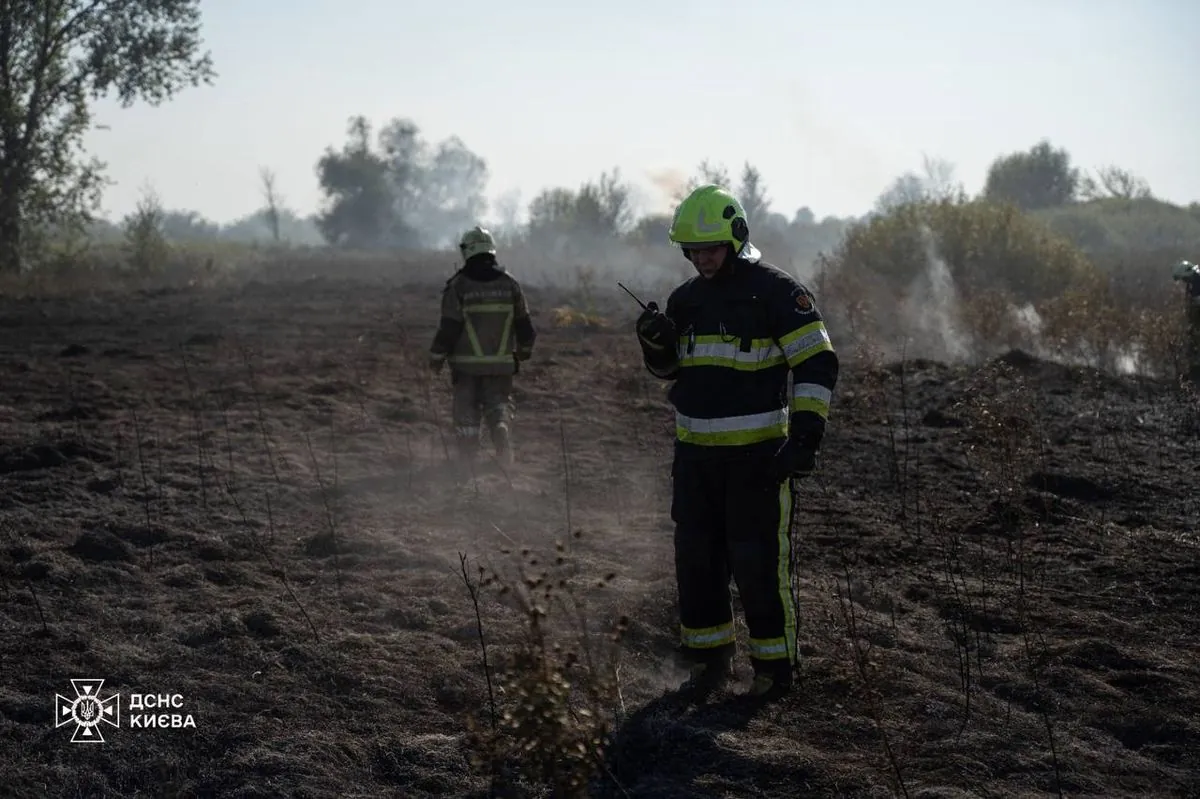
pixel 984 246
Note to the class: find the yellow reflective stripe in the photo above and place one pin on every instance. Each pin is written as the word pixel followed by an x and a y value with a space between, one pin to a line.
pixel 477 355
pixel 504 331
pixel 811 397
pixel 805 342
pixel 732 430
pixel 706 637
pixel 476 348
pixel 480 359
pixel 784 573
pixel 719 350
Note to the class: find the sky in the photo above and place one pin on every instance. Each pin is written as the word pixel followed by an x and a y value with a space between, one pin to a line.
pixel 829 100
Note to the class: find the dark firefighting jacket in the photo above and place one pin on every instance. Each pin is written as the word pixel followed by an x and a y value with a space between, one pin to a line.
pixel 485 326
pixel 739 336
pixel 1193 289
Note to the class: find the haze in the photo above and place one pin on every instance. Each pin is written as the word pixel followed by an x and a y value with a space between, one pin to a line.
pixel 831 101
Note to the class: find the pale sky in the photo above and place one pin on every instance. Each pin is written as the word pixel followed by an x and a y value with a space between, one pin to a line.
pixel 830 100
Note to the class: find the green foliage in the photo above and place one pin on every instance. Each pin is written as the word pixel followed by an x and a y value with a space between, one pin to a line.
pixel 598 211
pixel 406 193
pixel 145 242
pixel 1041 177
pixel 984 246
pixel 57 58
pixel 1115 225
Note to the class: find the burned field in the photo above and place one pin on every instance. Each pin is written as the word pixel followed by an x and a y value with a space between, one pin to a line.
pixel 241 495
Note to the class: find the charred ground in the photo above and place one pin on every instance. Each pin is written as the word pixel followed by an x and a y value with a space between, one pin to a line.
pixel 240 494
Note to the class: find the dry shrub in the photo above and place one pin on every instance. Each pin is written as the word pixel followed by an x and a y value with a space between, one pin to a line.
pixel 999 280
pixel 564 316
pixel 555 711
pixel 985 246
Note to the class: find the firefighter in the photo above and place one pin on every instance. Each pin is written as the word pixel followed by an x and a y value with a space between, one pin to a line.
pixel 1189 273
pixel 728 338
pixel 485 332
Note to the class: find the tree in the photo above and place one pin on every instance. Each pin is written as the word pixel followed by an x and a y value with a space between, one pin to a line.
pixel 1042 177
pixel 508 215
pixel 906 189
pixel 707 172
pixel 603 207
pixel 1113 181
pixel 444 189
pixel 599 210
pixel 271 202
pixel 55 59
pixel 753 196
pixel 936 183
pixel 359 201
pixel 939 180
pixel 186 226
pixel 406 193
pixel 144 236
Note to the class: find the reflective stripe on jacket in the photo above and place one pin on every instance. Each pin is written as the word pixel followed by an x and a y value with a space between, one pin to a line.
pixel 739 337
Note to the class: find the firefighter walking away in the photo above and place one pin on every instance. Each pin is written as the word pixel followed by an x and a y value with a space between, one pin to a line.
pixel 485 332
pixel 728 338
pixel 1189 274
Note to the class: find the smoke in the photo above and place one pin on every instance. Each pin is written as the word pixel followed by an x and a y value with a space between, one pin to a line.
pixel 927 317
pixel 1027 320
pixel 670 183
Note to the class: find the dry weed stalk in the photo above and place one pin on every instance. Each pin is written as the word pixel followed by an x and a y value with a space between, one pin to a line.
pixel 15 553
pixel 198 427
pixel 137 432
pixel 260 414
pixel 1005 445
pixel 555 715
pixel 558 700
pixel 866 667
pixel 327 505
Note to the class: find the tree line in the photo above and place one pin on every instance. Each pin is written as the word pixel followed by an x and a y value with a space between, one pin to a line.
pixel 387 188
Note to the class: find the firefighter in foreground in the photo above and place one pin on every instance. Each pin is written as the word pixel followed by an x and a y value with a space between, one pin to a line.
pixel 728 338
pixel 484 333
pixel 1189 273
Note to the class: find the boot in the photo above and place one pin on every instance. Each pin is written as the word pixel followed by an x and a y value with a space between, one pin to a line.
pixel 707 677
pixel 771 683
pixel 502 441
pixel 466 447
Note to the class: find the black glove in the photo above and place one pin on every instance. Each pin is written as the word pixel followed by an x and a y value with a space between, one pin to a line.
pixel 797 457
pixel 655 330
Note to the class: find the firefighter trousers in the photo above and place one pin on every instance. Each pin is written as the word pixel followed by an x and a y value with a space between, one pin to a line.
pixel 486 399
pixel 733 520
pixel 1193 342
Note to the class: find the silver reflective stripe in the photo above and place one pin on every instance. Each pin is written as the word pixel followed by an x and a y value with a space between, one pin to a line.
pixel 732 424
pixel 719 637
pixel 733 351
pixel 806 342
pixel 812 391
pixel 774 648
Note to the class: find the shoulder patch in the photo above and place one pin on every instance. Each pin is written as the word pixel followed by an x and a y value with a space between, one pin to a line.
pixel 804 301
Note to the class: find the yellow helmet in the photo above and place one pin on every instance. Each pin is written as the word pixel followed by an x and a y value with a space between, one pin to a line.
pixel 710 215
pixel 476 241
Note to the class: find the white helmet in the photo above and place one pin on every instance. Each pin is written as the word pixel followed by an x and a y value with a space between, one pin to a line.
pixel 476 241
pixel 1184 270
